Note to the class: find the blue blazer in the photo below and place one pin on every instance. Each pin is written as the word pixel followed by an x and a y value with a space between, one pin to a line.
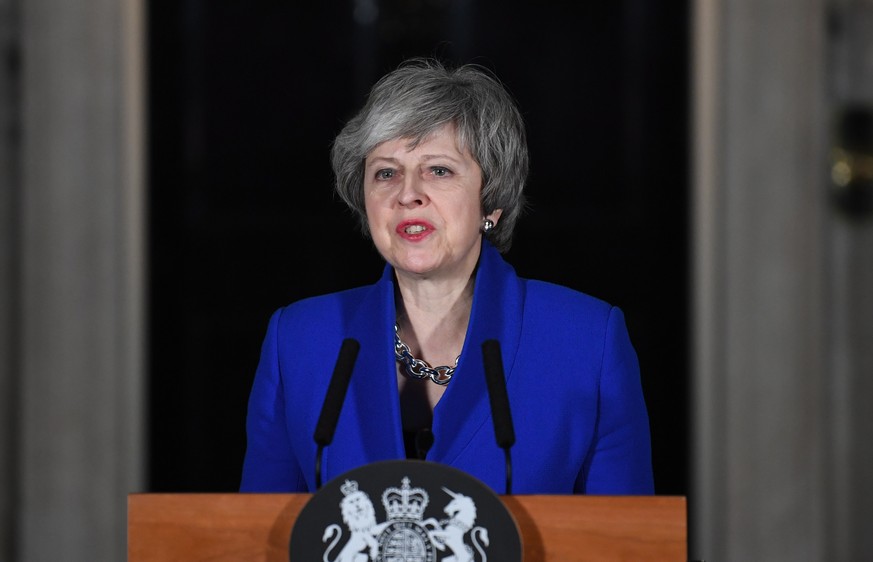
pixel 572 377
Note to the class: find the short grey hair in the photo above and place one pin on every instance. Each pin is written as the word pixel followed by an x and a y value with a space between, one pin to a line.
pixel 417 99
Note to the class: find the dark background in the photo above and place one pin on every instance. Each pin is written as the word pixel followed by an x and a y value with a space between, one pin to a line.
pixel 244 101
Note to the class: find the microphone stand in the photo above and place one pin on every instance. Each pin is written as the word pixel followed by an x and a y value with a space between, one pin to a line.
pixel 333 401
pixel 500 413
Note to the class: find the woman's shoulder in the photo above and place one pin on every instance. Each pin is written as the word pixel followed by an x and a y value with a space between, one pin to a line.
pixel 558 299
pixel 576 320
pixel 313 311
pixel 564 311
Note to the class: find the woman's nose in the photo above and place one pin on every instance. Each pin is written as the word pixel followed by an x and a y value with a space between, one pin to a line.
pixel 411 194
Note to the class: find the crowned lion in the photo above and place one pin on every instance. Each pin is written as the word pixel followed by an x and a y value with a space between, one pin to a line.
pixel 359 515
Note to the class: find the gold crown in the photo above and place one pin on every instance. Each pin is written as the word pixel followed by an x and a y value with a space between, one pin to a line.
pixel 404 503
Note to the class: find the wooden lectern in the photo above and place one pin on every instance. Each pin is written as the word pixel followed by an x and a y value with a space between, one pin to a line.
pixel 249 527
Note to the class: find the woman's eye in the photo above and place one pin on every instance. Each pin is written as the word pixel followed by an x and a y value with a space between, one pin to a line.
pixel 385 174
pixel 440 172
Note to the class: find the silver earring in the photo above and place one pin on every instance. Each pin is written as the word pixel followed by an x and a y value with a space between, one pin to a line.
pixel 487 225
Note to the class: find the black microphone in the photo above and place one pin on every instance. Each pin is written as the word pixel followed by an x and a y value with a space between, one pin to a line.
pixel 496 381
pixel 333 401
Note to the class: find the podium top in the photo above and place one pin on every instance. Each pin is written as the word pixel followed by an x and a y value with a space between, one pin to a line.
pixel 258 527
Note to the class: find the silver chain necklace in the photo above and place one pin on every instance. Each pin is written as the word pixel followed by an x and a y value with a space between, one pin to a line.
pixel 418 369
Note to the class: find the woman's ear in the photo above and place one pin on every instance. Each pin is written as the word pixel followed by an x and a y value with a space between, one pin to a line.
pixel 494 216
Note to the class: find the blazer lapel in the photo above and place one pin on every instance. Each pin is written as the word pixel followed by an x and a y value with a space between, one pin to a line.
pixel 369 429
pixel 498 301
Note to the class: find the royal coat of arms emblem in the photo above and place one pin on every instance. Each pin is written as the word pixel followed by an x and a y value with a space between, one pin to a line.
pixel 405 511
pixel 406 535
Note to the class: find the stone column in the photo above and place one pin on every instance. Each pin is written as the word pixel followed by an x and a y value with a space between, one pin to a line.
pixel 81 277
pixel 761 412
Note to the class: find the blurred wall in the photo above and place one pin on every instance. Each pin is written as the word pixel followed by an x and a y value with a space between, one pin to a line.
pixel 849 285
pixel 71 284
pixel 783 311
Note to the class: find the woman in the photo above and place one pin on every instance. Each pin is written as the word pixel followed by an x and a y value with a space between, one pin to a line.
pixel 434 165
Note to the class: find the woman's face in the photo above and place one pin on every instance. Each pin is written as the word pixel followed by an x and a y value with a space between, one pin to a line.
pixel 423 205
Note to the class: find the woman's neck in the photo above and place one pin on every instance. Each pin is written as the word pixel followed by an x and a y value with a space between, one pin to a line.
pixel 433 317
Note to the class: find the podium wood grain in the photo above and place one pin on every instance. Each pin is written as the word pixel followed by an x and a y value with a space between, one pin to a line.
pixel 249 527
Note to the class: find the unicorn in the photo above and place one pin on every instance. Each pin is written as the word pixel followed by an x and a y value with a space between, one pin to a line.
pixel 450 533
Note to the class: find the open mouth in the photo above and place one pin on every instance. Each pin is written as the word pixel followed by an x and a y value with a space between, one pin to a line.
pixel 415 229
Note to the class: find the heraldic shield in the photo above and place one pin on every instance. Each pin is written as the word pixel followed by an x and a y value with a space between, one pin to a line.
pixel 405 511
